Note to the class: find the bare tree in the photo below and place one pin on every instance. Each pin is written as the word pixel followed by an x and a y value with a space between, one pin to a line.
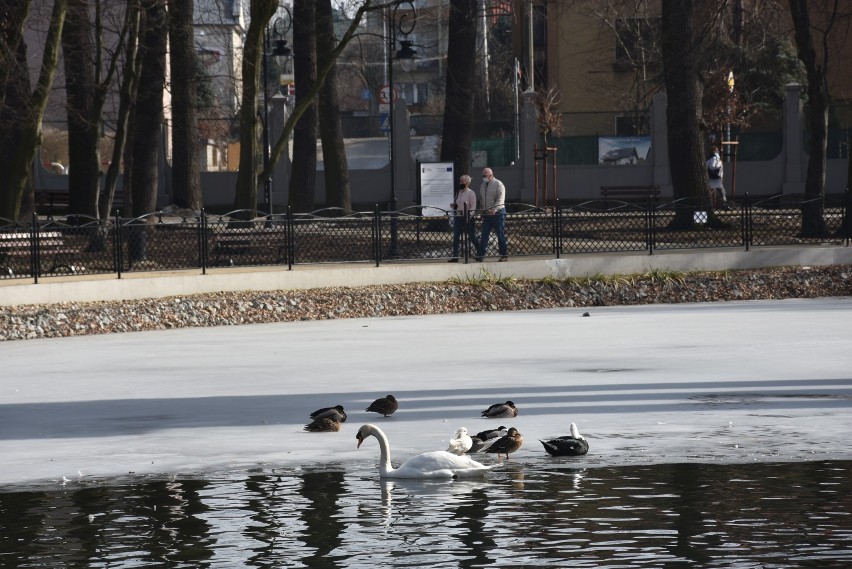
pixel 322 73
pixel 247 177
pixel 683 113
pixel 303 178
pixel 331 131
pixel 126 95
pixel 23 108
pixel 186 168
pixel 147 116
pixel 816 64
pixel 461 74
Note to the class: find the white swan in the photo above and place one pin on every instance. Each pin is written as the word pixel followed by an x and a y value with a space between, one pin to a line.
pixel 460 443
pixel 437 464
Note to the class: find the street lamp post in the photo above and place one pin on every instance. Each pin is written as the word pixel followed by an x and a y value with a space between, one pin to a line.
pixel 281 52
pixel 406 52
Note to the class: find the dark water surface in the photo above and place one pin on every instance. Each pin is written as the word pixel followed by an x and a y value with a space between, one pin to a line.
pixel 555 514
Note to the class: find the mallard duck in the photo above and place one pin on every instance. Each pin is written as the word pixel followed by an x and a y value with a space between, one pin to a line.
pixel 461 442
pixel 482 440
pixel 323 425
pixel 505 410
pixel 508 443
pixel 335 412
pixel 384 405
pixel 574 444
pixel 436 464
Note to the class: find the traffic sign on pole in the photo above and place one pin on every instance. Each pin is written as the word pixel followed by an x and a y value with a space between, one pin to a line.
pixel 385 94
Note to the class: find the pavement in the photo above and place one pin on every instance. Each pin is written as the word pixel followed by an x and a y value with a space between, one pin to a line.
pixel 90 288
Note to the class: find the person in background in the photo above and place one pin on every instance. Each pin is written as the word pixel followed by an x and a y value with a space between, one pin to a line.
pixel 492 195
pixel 463 207
pixel 715 172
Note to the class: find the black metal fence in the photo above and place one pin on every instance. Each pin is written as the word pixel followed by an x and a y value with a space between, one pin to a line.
pixel 76 245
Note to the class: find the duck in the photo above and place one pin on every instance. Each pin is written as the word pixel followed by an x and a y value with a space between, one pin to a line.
pixel 436 464
pixel 508 443
pixel 505 410
pixel 335 412
pixel 484 439
pixel 460 443
pixel 574 444
pixel 384 405
pixel 323 425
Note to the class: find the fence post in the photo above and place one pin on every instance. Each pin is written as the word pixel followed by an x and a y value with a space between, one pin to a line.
pixel 556 227
pixel 117 257
pixel 650 225
pixel 377 234
pixel 35 251
pixel 746 221
pixel 202 241
pixel 290 236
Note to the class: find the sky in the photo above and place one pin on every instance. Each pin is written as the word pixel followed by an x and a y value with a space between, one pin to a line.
pixel 714 382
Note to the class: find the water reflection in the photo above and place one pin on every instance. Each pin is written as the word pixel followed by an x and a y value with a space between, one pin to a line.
pixel 551 513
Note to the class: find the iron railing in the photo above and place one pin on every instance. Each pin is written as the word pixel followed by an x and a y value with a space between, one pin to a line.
pixel 159 242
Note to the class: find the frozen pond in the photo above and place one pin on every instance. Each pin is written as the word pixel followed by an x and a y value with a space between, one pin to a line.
pixel 703 421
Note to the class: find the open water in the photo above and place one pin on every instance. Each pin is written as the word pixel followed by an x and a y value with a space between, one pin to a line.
pixel 554 514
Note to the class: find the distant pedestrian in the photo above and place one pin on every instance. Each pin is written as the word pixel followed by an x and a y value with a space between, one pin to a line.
pixel 463 207
pixel 492 194
pixel 715 173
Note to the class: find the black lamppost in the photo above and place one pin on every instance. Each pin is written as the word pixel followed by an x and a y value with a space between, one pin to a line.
pixel 281 52
pixel 406 52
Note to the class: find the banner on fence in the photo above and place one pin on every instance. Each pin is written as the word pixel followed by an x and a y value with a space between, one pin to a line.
pixel 436 187
pixel 616 150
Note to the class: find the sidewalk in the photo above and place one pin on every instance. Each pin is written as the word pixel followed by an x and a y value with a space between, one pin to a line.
pixel 52 290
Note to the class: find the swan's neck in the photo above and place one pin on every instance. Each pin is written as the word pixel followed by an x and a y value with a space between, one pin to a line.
pixel 575 432
pixel 384 448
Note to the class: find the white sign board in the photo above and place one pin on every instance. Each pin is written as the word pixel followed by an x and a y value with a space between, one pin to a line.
pixel 437 187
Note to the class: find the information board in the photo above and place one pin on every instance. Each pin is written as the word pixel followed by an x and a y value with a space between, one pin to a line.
pixel 437 187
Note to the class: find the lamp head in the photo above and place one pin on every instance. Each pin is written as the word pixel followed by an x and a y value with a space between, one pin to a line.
pixel 282 52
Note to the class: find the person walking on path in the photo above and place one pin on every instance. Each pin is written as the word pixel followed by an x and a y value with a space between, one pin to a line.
pixel 463 207
pixel 715 172
pixel 492 194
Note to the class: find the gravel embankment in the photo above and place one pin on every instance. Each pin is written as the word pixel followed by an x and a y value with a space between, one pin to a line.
pixel 230 308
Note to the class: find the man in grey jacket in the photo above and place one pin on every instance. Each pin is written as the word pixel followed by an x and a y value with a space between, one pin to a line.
pixel 492 194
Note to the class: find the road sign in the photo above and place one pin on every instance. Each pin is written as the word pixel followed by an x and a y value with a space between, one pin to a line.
pixel 385 95
pixel 384 122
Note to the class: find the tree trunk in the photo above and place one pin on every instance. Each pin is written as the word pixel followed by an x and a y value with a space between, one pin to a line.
pixel 261 11
pixel 13 16
pixel 127 100
pixel 683 112
pixel 813 222
pixel 186 168
pixel 148 114
pixel 461 71
pixel 331 131
pixel 303 177
pixel 18 148
pixel 84 119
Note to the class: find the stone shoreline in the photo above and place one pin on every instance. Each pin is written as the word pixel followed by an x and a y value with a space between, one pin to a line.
pixel 486 294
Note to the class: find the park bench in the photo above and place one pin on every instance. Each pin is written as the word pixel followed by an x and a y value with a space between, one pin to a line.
pixel 19 244
pixel 55 202
pixel 629 191
pixel 231 243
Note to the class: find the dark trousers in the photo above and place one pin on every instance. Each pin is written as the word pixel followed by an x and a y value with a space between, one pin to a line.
pixel 497 222
pixel 459 224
